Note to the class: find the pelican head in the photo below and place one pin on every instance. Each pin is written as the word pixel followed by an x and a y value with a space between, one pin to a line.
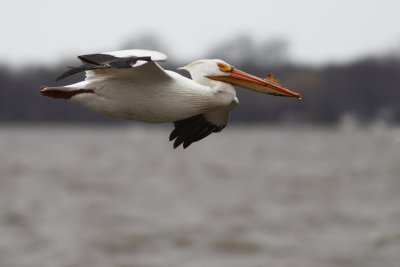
pixel 206 71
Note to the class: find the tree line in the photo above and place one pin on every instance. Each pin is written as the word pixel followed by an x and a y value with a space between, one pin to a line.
pixel 367 89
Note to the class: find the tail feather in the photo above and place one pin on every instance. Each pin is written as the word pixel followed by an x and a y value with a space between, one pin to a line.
pixel 62 92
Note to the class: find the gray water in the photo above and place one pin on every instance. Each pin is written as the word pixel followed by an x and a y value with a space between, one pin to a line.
pixel 250 196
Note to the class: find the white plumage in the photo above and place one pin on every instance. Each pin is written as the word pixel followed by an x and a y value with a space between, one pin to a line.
pixel 130 84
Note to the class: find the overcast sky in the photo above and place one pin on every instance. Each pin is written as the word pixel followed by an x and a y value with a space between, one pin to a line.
pixel 45 31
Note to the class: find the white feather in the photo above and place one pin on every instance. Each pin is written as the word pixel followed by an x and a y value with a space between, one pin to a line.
pixel 147 92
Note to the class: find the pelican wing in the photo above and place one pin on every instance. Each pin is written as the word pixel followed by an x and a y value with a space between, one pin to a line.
pixel 114 60
pixel 193 129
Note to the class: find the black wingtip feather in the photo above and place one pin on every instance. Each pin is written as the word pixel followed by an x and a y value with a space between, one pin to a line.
pixel 67 73
pixel 191 130
pixel 74 70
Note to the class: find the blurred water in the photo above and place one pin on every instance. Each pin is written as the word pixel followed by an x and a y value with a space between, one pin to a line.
pixel 251 197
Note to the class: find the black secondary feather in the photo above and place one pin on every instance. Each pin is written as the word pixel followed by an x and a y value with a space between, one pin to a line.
pixel 97 59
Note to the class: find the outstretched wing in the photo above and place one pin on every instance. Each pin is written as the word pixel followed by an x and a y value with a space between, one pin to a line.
pixel 115 60
pixel 193 129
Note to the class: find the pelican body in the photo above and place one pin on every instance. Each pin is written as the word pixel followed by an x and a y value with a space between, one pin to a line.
pixel 131 85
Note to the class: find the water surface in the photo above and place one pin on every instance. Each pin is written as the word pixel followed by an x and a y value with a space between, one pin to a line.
pixel 249 196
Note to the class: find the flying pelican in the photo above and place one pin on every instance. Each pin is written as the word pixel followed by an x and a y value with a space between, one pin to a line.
pixel 130 84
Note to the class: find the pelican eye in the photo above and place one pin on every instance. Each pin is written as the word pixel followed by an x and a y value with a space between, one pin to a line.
pixel 224 67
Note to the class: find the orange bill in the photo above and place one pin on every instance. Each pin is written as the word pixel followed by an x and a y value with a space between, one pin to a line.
pixel 246 80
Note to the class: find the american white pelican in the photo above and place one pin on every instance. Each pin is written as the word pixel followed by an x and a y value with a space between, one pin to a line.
pixel 130 84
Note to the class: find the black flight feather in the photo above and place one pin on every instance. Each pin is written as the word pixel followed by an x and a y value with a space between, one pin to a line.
pixel 193 129
pixel 102 61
